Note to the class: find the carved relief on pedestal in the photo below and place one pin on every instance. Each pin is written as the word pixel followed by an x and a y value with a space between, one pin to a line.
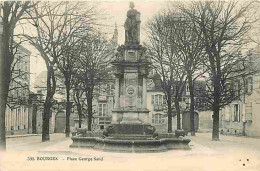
pixel 130 90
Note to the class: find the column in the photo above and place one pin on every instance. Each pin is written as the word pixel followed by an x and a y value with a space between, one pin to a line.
pixel 22 119
pixel 144 92
pixel 6 118
pixel 117 93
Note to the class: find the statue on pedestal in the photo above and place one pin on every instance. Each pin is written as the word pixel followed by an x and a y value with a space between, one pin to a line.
pixel 132 26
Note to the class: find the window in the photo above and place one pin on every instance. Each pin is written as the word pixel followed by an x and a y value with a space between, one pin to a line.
pixel 158 119
pixel 158 99
pixel 248 112
pixel 187 90
pixel 227 113
pixel 110 88
pixel 237 88
pixel 249 85
pixel 236 113
pixel 102 109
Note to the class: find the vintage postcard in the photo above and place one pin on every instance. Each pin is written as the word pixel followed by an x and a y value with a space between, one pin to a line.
pixel 130 85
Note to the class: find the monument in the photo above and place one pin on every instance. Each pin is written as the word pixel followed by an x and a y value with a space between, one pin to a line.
pixel 131 115
pixel 130 130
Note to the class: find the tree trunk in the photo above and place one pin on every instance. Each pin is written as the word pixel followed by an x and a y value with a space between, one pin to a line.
pixel 79 113
pixel 215 132
pixel 169 104
pixel 67 129
pixel 5 74
pixel 46 119
pixel 178 113
pixel 192 103
pixel 3 100
pixel 216 107
pixel 89 101
pixel 34 118
pixel 47 107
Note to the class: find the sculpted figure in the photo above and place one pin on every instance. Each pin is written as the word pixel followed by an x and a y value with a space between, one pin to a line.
pixel 132 25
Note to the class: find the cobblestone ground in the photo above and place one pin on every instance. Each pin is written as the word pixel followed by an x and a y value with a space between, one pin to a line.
pixel 231 153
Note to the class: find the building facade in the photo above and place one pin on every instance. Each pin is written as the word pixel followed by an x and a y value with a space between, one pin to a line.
pixel 103 101
pixel 241 117
pixel 18 107
pixel 157 106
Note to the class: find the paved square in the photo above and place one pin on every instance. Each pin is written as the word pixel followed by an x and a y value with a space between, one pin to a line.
pixel 231 153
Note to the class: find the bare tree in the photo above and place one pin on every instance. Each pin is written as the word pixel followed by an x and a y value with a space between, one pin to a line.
pixel 187 41
pixel 224 25
pixel 167 61
pixel 54 25
pixel 11 13
pixel 93 64
pixel 68 66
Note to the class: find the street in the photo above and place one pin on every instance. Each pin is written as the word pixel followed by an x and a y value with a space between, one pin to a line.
pixel 231 153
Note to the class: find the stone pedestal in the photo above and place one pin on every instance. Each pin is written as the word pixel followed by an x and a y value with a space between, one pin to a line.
pixel 131 70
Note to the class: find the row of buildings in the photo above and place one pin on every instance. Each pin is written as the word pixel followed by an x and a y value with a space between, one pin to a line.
pixel 18 107
pixel 25 108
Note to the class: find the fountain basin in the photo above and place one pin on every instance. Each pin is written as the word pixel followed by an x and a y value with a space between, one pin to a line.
pixel 138 144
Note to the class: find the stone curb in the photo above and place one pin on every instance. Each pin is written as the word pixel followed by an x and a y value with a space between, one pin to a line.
pixel 25 135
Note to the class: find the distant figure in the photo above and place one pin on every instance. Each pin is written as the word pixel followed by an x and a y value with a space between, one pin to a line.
pixel 132 26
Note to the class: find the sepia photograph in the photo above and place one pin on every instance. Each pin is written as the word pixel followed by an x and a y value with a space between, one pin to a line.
pixel 127 85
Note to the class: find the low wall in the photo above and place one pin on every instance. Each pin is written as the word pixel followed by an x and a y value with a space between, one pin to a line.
pixel 17 132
